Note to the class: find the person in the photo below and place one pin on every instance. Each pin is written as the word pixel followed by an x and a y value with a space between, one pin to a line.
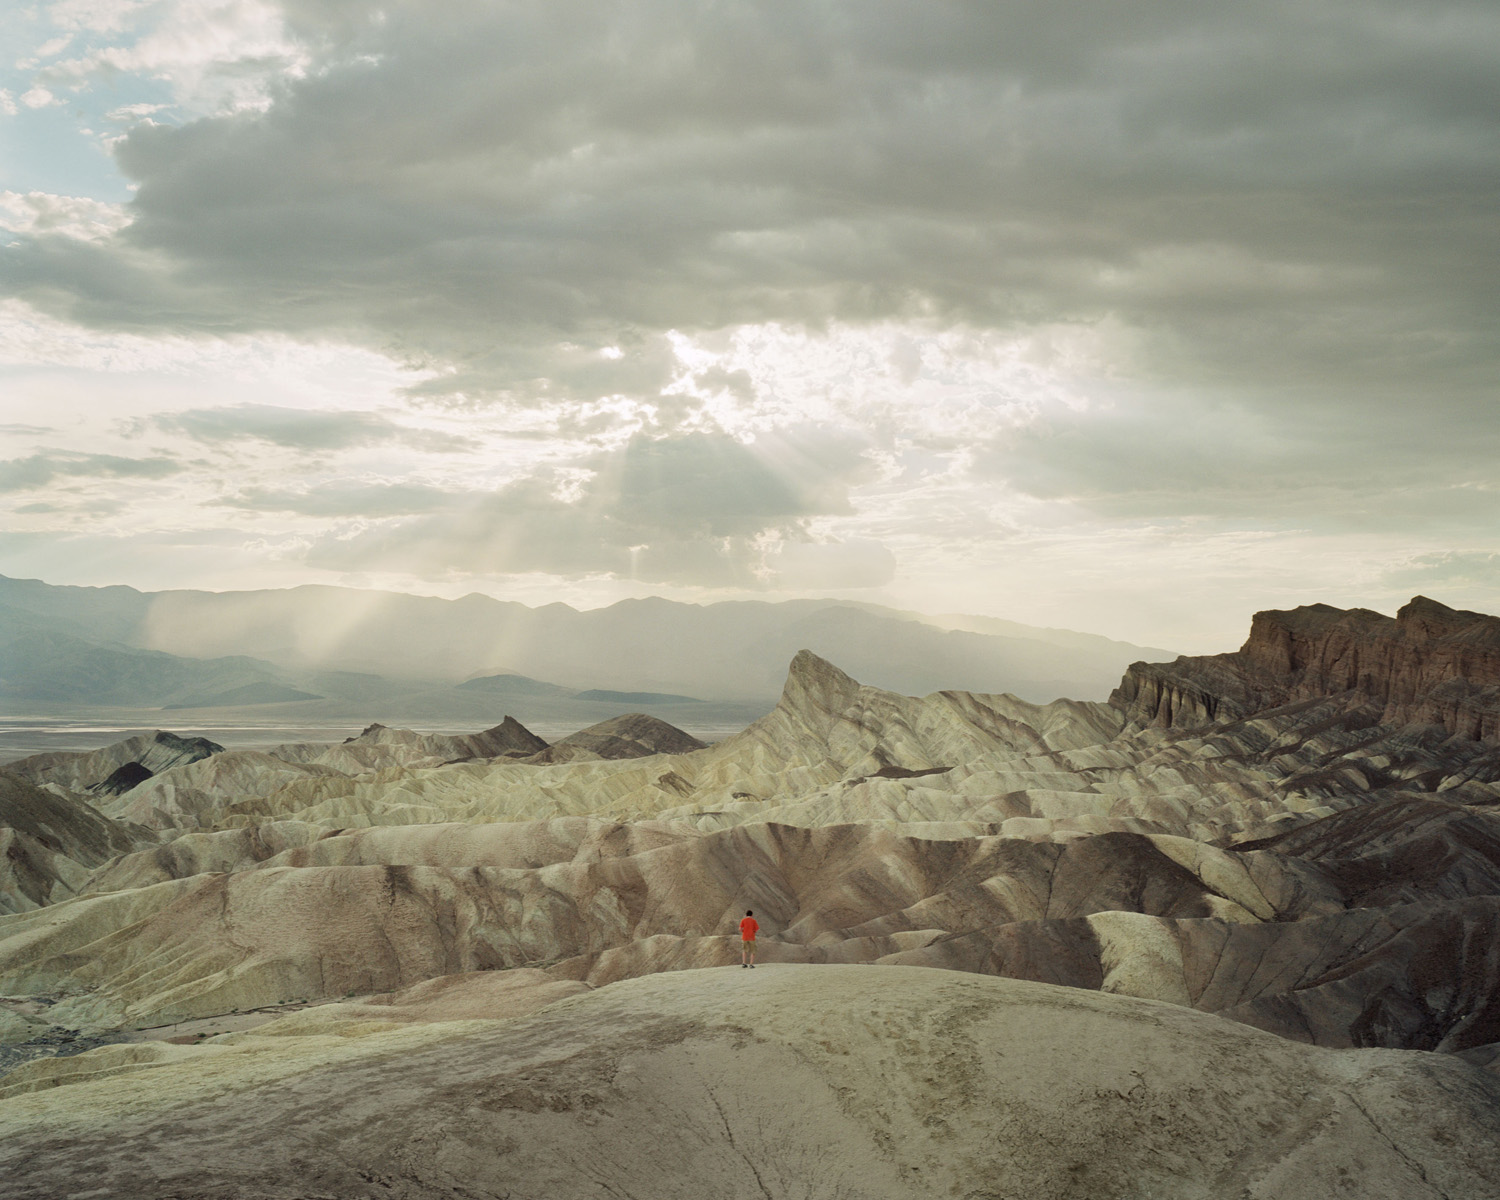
pixel 748 928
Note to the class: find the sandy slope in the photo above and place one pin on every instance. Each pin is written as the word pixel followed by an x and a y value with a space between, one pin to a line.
pixel 785 1082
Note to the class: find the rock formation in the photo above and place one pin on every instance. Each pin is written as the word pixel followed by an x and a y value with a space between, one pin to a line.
pixel 152 752
pixel 402 747
pixel 789 1081
pixel 1295 843
pixel 49 843
pixel 381 909
pixel 635 735
pixel 1431 665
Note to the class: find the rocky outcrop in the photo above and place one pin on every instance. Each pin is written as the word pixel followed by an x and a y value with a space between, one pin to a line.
pixel 1419 977
pixel 509 737
pixel 1409 849
pixel 197 793
pixel 1304 868
pixel 835 752
pixel 634 735
pixel 49 843
pixel 201 854
pixel 122 779
pixel 82 771
pixel 377 747
pixel 1430 665
pixel 786 1081
pixel 379 909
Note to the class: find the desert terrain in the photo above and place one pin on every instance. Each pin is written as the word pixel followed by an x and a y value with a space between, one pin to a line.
pixel 1234 931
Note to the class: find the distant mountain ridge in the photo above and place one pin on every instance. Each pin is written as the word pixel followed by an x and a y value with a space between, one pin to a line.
pixel 42 664
pixel 733 651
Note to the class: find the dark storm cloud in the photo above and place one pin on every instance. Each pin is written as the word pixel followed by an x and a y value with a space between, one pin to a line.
pixel 300 429
pixel 693 509
pixel 38 470
pixel 1277 193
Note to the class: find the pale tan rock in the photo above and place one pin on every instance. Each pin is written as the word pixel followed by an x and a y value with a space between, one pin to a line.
pixel 79 771
pixel 201 853
pixel 194 794
pixel 1139 956
pixel 785 1081
pixel 385 908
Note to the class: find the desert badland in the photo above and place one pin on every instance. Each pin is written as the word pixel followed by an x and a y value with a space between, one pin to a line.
pixel 1231 933
pixel 493 492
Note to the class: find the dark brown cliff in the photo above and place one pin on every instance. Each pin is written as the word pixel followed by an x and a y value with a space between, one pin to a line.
pixel 1430 665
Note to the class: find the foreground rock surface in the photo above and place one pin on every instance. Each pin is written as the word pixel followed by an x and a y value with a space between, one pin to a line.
pixel 786 1081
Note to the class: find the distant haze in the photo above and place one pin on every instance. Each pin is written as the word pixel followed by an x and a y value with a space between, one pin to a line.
pixel 1133 317
pixel 362 652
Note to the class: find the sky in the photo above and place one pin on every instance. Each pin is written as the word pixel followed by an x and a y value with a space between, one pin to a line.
pixel 1131 318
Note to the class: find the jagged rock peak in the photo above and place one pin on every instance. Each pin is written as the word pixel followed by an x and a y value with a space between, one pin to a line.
pixel 1427 620
pixel 194 747
pixel 632 735
pixel 508 737
pixel 82 770
pixel 815 683
pixel 1429 665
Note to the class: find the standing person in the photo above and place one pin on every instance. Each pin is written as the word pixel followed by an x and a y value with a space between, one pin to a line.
pixel 748 928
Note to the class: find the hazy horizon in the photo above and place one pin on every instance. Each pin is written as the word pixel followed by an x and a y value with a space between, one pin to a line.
pixel 1131 322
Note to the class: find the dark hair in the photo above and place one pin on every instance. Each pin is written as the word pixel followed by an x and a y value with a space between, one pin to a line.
pixel 748 913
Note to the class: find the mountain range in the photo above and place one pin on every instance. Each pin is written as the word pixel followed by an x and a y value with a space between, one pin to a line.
pixel 326 653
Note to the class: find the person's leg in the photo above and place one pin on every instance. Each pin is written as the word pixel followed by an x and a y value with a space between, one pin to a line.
pixel 752 953
pixel 744 953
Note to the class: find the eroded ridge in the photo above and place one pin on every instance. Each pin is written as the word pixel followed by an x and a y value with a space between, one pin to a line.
pixel 1301 837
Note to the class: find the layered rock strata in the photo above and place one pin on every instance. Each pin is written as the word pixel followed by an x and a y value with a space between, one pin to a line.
pixel 1430 665
pixel 1283 837
pixel 49 844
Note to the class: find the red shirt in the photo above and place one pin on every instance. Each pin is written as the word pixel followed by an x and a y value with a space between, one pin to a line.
pixel 747 929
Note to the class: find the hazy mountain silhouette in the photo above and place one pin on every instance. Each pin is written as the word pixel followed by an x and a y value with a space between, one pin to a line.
pixel 733 651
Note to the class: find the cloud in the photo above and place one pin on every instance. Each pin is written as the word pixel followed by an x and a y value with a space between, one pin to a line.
pixel 38 470
pixel 1447 569
pixel 825 566
pixel 1070 273
pixel 70 216
pixel 217 55
pixel 39 97
pixel 698 510
pixel 1271 192
pixel 714 486
pixel 1174 457
pixel 350 500
pixel 302 429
